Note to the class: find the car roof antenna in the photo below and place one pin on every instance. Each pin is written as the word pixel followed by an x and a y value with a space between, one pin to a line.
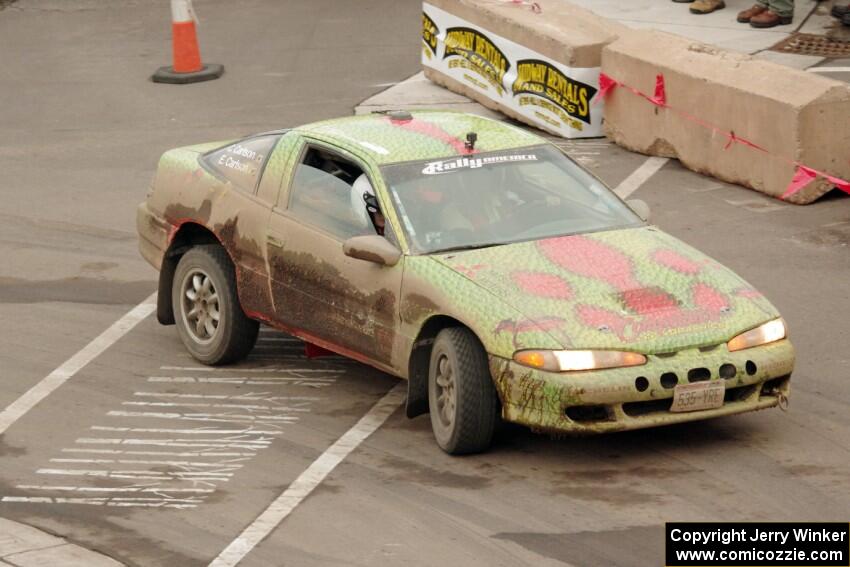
pixel 471 138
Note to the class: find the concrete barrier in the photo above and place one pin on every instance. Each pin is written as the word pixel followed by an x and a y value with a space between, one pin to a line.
pixel 793 115
pixel 539 67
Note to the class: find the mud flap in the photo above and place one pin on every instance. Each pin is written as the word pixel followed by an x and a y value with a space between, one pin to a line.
pixel 417 393
pixel 315 351
pixel 164 306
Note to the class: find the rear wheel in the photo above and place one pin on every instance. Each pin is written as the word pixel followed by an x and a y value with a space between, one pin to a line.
pixel 210 320
pixel 461 395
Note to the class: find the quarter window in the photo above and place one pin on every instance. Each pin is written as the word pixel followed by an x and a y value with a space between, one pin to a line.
pixel 322 195
pixel 242 163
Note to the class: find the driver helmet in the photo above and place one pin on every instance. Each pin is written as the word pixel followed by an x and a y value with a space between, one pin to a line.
pixel 363 200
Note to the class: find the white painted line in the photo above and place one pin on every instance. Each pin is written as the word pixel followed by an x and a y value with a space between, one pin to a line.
pixel 206 443
pixel 198 431
pixel 110 489
pixel 259 381
pixel 210 477
pixel 640 176
pixel 247 407
pixel 250 396
pixel 211 417
pixel 134 473
pixel 146 462
pixel 829 69
pixel 214 369
pixel 194 454
pixel 70 367
pixel 158 502
pixel 307 481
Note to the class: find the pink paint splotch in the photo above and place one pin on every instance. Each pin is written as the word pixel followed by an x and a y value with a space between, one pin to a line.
pixel 590 258
pixel 675 261
pixel 543 285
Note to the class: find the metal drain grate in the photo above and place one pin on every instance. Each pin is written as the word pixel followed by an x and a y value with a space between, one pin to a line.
pixel 808 44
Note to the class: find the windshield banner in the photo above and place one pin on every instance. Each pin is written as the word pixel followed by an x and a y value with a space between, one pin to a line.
pixel 552 96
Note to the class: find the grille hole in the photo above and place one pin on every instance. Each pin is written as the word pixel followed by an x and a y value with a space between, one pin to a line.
pixel 751 367
pixel 587 413
pixel 775 386
pixel 739 394
pixel 641 383
pixel 666 354
pixel 669 380
pixel 699 374
pixel 708 348
pixel 728 371
pixel 637 409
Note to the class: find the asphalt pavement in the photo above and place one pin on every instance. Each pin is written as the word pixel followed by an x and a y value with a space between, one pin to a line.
pixel 150 459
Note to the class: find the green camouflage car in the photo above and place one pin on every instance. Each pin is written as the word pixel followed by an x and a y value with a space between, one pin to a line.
pixel 468 256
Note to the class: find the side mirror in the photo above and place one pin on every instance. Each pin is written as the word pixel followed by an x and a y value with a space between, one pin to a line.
pixel 372 248
pixel 640 208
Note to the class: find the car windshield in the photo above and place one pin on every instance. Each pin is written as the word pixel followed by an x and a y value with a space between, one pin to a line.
pixel 501 197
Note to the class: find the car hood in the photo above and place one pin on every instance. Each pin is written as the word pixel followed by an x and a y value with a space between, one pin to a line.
pixel 633 289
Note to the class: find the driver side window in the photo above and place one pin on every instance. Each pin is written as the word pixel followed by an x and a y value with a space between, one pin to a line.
pixel 322 195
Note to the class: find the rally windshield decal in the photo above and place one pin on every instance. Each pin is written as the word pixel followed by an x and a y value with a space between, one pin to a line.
pixel 450 165
pixel 540 78
pixel 475 51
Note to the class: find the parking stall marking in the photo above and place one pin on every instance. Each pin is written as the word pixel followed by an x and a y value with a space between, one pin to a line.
pixel 70 367
pixel 308 480
pixel 640 176
pixel 165 464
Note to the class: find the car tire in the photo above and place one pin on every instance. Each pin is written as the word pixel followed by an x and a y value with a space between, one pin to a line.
pixel 209 318
pixel 461 395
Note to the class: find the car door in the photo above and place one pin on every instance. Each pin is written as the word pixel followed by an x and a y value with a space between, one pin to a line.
pixel 319 293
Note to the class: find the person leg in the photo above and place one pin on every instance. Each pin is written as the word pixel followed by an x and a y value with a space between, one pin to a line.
pixel 784 8
pixel 757 8
pixel 840 10
pixel 707 6
pixel 781 12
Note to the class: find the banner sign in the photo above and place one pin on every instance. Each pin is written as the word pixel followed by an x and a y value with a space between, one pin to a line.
pixel 552 96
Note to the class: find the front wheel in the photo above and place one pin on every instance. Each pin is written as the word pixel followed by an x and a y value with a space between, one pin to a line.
pixel 210 320
pixel 461 395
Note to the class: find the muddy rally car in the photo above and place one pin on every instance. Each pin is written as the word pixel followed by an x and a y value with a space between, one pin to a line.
pixel 470 257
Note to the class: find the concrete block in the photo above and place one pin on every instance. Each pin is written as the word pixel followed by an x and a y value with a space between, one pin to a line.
pixel 539 68
pixel 792 114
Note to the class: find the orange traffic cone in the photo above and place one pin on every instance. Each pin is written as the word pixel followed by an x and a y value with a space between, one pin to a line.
pixel 187 67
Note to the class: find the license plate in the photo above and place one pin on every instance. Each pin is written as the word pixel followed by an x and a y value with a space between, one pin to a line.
pixel 698 396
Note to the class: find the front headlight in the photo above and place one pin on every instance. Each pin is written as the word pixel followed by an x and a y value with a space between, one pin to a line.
pixel 767 333
pixel 572 360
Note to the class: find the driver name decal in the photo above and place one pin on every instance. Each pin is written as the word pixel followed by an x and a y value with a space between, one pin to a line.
pixel 447 166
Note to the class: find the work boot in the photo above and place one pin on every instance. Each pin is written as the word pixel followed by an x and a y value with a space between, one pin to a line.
pixel 839 11
pixel 770 19
pixel 747 15
pixel 707 6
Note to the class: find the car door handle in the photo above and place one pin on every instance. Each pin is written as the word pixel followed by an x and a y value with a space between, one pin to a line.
pixel 274 241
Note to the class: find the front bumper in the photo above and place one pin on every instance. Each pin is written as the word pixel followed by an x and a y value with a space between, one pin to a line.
pixel 610 400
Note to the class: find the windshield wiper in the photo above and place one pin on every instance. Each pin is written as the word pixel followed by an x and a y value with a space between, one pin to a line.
pixel 466 247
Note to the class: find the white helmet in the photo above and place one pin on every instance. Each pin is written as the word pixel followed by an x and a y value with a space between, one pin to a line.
pixel 363 201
